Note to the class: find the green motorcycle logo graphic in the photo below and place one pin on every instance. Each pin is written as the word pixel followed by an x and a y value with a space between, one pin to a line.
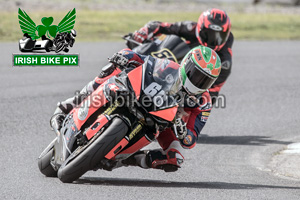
pixel 56 38
pixel 28 26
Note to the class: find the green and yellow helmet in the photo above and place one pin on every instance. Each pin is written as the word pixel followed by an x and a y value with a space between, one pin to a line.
pixel 200 68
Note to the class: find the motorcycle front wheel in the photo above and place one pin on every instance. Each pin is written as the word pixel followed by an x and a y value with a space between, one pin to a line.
pixel 44 161
pixel 79 162
pixel 59 47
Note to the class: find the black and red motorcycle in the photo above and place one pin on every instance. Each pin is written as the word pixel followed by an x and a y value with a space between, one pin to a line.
pixel 171 47
pixel 120 117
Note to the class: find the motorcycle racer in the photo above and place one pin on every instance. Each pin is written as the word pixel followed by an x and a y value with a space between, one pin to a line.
pixel 213 30
pixel 198 71
pixel 65 38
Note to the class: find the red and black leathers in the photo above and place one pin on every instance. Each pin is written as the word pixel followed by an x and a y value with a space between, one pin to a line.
pixel 188 30
pixel 194 114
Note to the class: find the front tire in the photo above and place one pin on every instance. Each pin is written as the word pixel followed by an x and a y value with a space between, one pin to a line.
pixel 76 165
pixel 59 47
pixel 44 162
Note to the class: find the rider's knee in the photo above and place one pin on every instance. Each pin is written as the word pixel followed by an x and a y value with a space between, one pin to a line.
pixel 189 141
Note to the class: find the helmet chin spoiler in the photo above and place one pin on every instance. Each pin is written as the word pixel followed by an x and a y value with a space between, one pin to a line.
pixel 191 89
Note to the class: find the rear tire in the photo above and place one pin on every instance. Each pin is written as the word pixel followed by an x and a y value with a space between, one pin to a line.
pixel 48 47
pixel 76 165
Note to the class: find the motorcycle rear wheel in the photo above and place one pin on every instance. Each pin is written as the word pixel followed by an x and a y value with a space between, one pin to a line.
pixel 76 165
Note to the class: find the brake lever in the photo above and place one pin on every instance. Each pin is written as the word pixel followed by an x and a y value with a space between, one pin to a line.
pixel 129 39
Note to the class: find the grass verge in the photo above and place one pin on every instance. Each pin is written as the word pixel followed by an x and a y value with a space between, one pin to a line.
pixel 111 25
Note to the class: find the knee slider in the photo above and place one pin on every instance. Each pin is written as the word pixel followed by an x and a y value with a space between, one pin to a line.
pixel 169 162
pixel 189 141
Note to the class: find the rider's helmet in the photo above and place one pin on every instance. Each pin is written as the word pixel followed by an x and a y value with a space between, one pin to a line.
pixel 200 68
pixel 213 28
pixel 73 33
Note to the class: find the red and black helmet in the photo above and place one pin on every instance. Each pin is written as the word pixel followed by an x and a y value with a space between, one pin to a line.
pixel 213 28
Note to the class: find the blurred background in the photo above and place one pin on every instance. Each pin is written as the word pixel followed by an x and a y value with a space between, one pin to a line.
pixel 103 20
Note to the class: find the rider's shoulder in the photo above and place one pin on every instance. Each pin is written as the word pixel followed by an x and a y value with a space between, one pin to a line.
pixel 189 25
pixel 189 22
pixel 228 45
pixel 230 40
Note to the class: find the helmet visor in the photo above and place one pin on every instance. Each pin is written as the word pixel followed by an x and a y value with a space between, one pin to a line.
pixel 212 37
pixel 197 76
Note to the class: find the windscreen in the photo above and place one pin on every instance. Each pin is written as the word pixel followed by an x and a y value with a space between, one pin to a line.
pixel 166 73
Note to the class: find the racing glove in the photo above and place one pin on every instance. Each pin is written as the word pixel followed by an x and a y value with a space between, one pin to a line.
pixel 122 60
pixel 119 59
pixel 147 32
pixel 141 35
pixel 180 127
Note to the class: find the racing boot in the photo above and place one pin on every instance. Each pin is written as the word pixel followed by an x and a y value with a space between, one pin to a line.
pixel 137 159
pixel 169 160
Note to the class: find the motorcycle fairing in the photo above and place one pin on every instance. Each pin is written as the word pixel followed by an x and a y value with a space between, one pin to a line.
pixel 142 142
pixel 117 148
pixel 167 114
pixel 135 77
pixel 164 53
pixel 96 126
pixel 159 83
pixel 88 106
pixel 172 43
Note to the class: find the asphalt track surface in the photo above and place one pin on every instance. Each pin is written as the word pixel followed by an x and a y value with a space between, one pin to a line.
pixel 231 160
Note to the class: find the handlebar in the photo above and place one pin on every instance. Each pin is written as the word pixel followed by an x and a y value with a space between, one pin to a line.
pixel 129 39
pixel 121 67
